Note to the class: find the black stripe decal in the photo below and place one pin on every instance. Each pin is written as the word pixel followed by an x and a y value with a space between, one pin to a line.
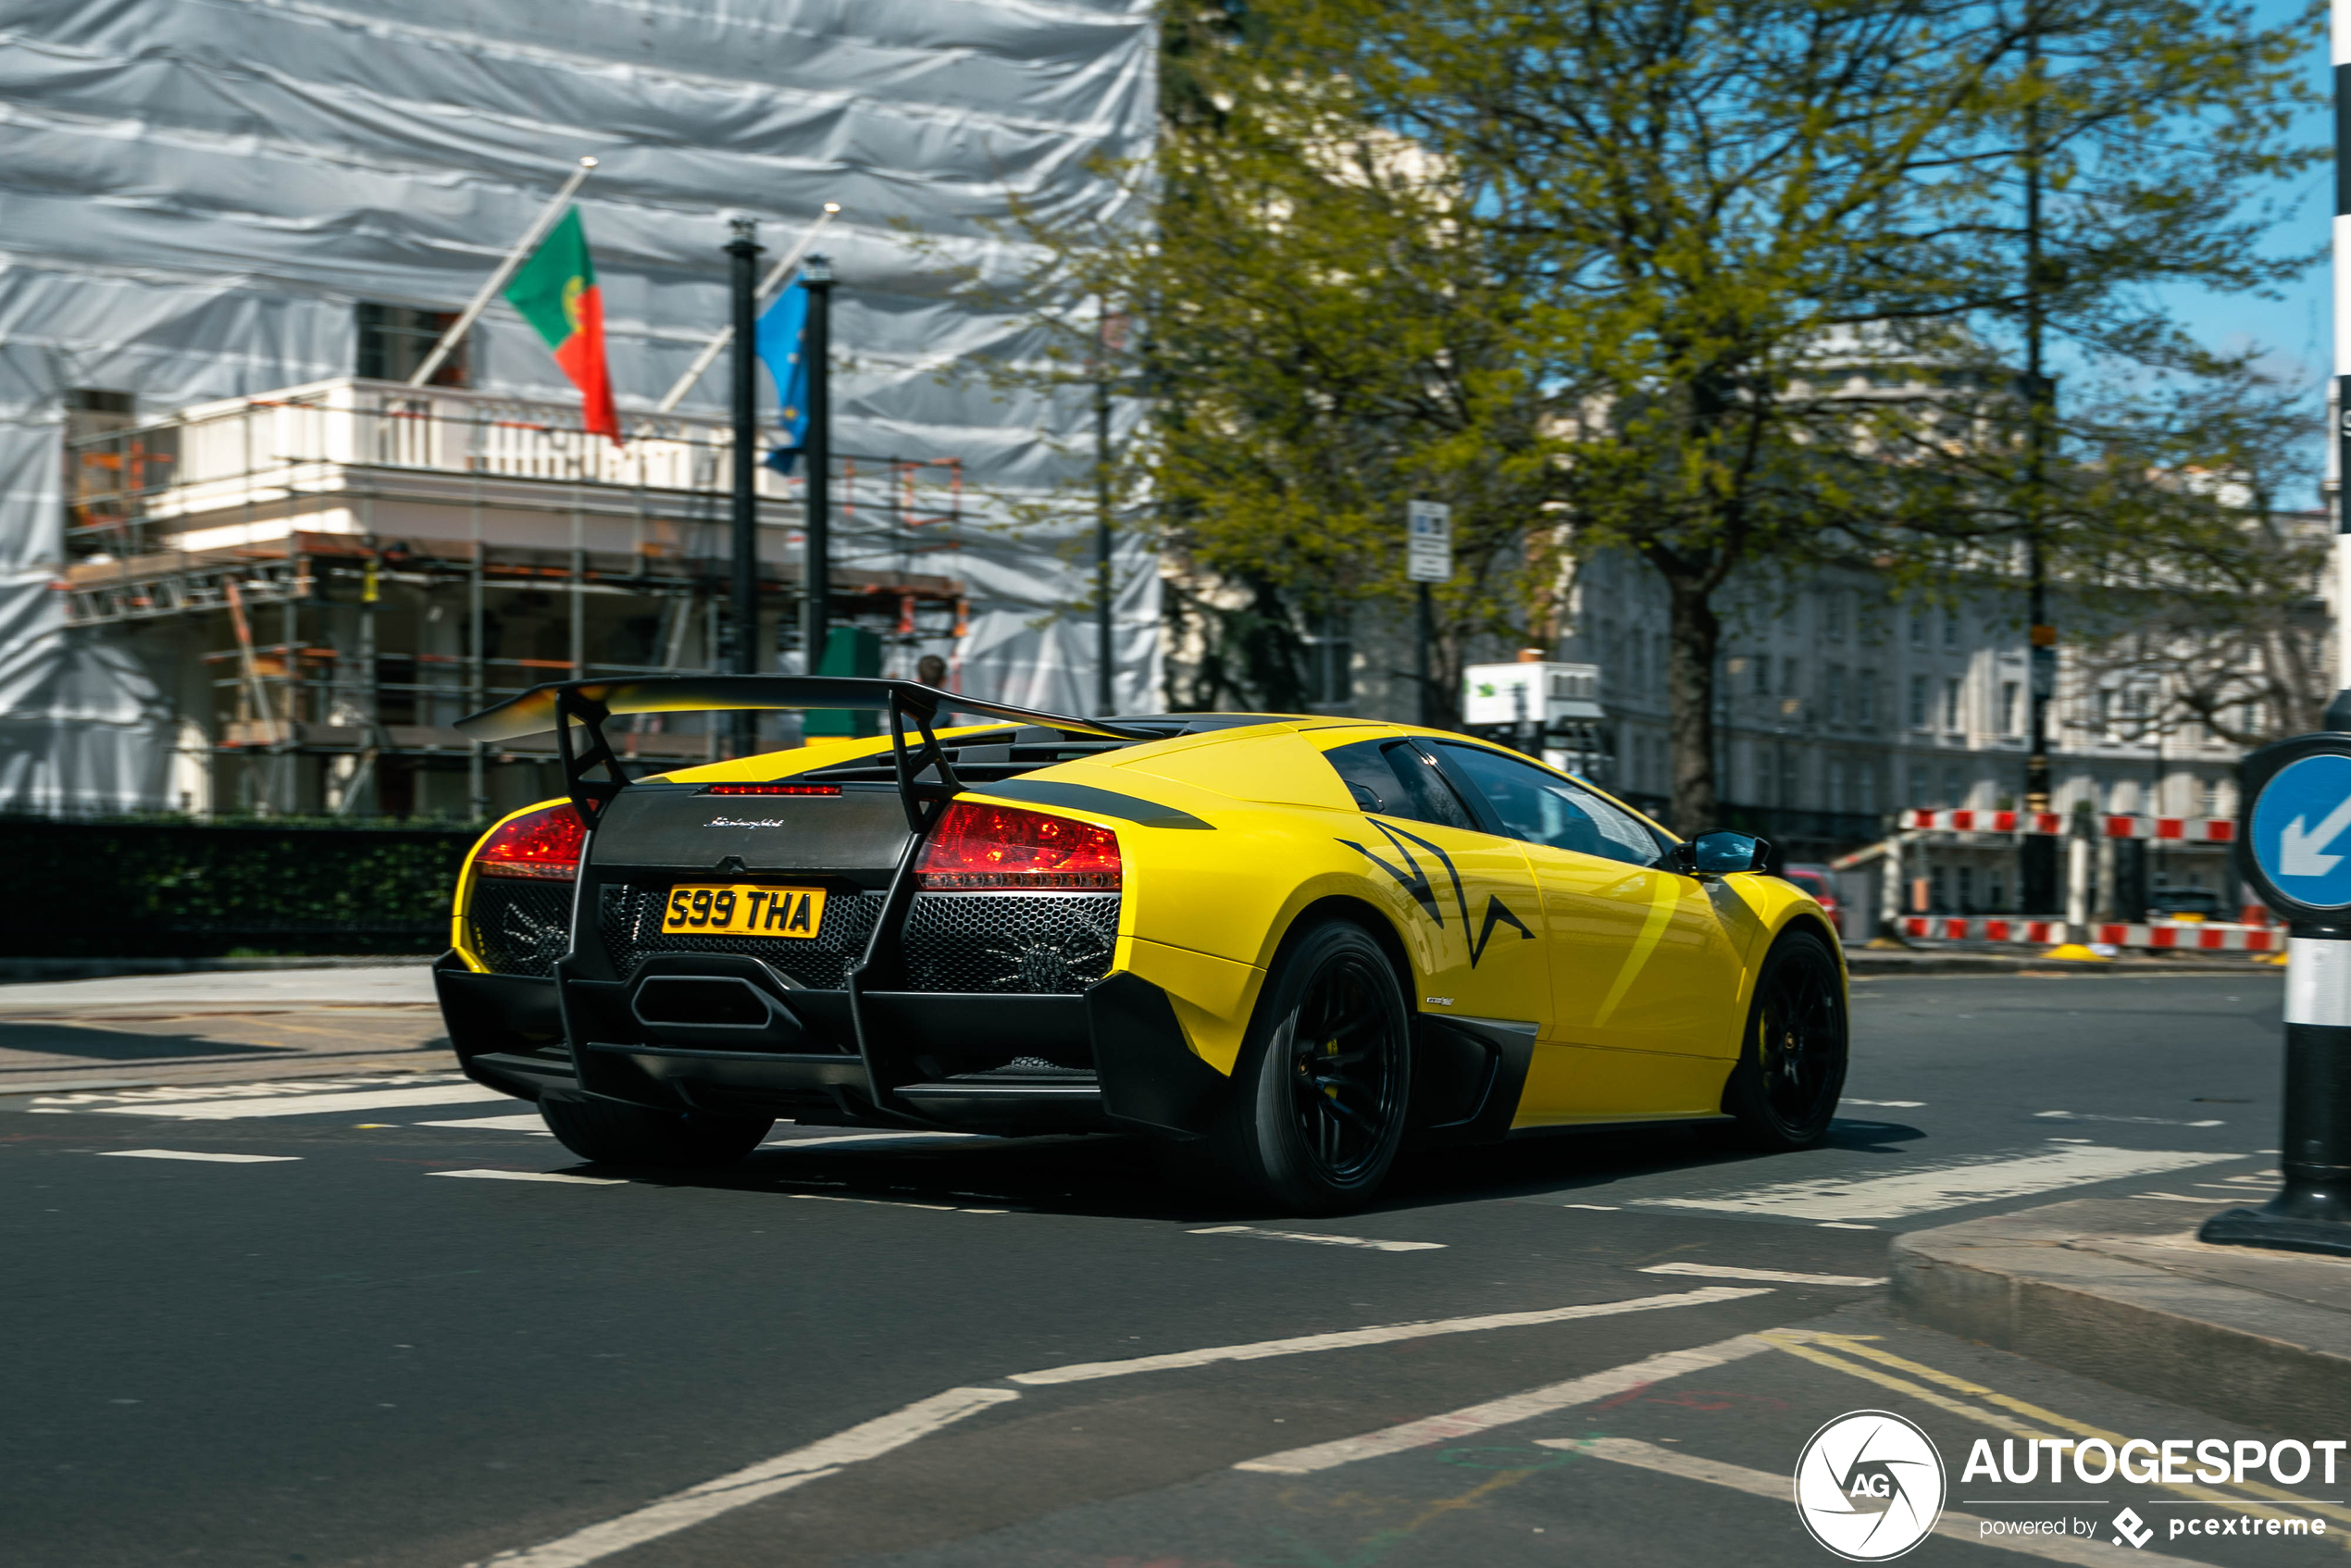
pixel 1101 803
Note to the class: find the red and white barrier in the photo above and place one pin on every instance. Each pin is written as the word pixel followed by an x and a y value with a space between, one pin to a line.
pixel 2170 829
pixel 2181 936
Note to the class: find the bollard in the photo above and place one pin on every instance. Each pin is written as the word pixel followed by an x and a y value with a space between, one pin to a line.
pixel 2296 816
pixel 2077 882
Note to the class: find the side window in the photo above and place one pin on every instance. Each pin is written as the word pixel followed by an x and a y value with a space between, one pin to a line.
pixel 1390 777
pixel 1543 808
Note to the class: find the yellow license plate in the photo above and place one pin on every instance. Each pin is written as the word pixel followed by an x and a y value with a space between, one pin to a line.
pixel 740 911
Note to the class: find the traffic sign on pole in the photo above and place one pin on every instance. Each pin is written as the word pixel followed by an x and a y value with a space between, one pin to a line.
pixel 2293 846
pixel 1428 549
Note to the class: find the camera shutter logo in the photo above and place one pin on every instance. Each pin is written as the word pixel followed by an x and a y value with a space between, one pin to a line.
pixel 1869 1485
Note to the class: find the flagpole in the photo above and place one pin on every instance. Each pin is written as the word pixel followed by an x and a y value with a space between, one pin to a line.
pixel 472 313
pixel 718 344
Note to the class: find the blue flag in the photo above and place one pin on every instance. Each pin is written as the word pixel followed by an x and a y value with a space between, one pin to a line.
pixel 782 328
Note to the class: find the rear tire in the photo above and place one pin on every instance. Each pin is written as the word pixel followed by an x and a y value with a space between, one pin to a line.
pixel 1792 1058
pixel 614 1133
pixel 1320 1091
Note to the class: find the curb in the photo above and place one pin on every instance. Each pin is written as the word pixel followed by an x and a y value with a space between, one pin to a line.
pixel 2111 1288
pixel 1862 963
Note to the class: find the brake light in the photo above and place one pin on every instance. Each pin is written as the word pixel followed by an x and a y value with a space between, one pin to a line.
pixel 773 790
pixel 982 846
pixel 543 843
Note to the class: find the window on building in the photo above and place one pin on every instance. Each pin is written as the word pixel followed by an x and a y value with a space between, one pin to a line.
pixel 1835 694
pixel 1330 662
pixel 1864 700
pixel 1833 614
pixel 1918 629
pixel 1762 675
pixel 1865 795
pixel 2009 707
pixel 1920 697
pixel 395 339
pixel 1952 794
pixel 1951 703
pixel 1951 628
pixel 1922 790
pixel 1835 789
pixel 1787 677
pixel 1789 786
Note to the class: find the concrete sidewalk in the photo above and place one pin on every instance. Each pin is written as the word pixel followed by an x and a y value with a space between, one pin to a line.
pixel 244 991
pixel 137 1030
pixel 2121 1290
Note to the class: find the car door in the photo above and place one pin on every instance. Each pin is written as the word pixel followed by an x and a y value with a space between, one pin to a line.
pixel 1471 913
pixel 1644 964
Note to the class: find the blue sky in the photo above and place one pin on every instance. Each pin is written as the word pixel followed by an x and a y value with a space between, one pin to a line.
pixel 2297 328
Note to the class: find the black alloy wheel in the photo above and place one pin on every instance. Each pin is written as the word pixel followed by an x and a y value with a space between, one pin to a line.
pixel 1791 1071
pixel 1322 1086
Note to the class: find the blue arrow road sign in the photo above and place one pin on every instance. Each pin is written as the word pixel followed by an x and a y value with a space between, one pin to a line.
pixel 2302 831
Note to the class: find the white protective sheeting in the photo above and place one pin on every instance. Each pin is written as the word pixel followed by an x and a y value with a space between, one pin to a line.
pixel 194 193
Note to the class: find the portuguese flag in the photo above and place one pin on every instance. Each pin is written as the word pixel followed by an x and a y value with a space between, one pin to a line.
pixel 555 290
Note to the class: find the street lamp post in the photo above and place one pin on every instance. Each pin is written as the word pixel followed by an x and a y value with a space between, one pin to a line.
pixel 743 251
pixel 815 608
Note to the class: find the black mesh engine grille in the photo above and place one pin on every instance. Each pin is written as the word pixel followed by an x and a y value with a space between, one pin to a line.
pixel 1051 943
pixel 520 926
pixel 631 926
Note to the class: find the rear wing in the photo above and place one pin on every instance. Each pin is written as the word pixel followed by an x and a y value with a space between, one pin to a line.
pixel 576 711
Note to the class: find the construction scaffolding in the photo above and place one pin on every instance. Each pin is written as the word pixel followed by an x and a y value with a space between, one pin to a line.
pixel 329 577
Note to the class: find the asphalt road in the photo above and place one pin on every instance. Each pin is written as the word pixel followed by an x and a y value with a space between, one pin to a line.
pixel 365 1341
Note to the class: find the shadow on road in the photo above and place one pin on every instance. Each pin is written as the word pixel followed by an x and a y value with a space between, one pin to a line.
pixel 1119 1177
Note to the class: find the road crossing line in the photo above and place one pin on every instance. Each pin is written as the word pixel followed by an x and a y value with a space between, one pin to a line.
pixel 530 1122
pixel 1387 1334
pixel 1781 1277
pixel 1472 1419
pixel 534 1175
pixel 197 1154
pixel 1948 1185
pixel 306 1104
pixel 1371 1243
pixel 1765 1484
pixel 812 1462
pixel 872 1439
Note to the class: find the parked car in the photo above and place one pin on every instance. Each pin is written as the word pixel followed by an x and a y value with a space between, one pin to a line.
pixel 1820 882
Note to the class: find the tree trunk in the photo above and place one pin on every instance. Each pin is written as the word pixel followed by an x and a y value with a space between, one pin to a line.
pixel 1695 635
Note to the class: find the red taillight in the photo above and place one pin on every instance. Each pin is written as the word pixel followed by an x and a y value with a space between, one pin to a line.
pixel 773 790
pixel 540 843
pixel 981 846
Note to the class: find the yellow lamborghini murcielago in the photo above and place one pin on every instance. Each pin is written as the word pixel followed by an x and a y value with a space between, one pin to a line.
pixel 1291 946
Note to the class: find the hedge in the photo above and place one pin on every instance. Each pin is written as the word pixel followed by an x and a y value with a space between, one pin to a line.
pixel 144 888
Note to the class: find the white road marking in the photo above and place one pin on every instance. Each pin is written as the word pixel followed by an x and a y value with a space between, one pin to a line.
pixel 829 1138
pixel 1367 1241
pixel 829 1456
pixel 1947 1186
pixel 2139 1121
pixel 1387 1334
pixel 534 1175
pixel 194 1154
pixel 826 1456
pixel 1472 1419
pixel 1725 1271
pixel 2177 1196
pixel 1841 1225
pixel 173 1093
pixel 531 1123
pixel 2091 1553
pixel 1601 1208
pixel 1888 1104
pixel 307 1104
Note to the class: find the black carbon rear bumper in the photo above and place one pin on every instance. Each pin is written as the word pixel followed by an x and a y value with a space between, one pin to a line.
pixel 1110 1058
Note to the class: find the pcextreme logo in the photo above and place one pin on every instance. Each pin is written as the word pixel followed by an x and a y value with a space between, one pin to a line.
pixel 1869 1485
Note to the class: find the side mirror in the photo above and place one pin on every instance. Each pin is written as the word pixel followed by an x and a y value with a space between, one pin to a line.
pixel 1719 853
